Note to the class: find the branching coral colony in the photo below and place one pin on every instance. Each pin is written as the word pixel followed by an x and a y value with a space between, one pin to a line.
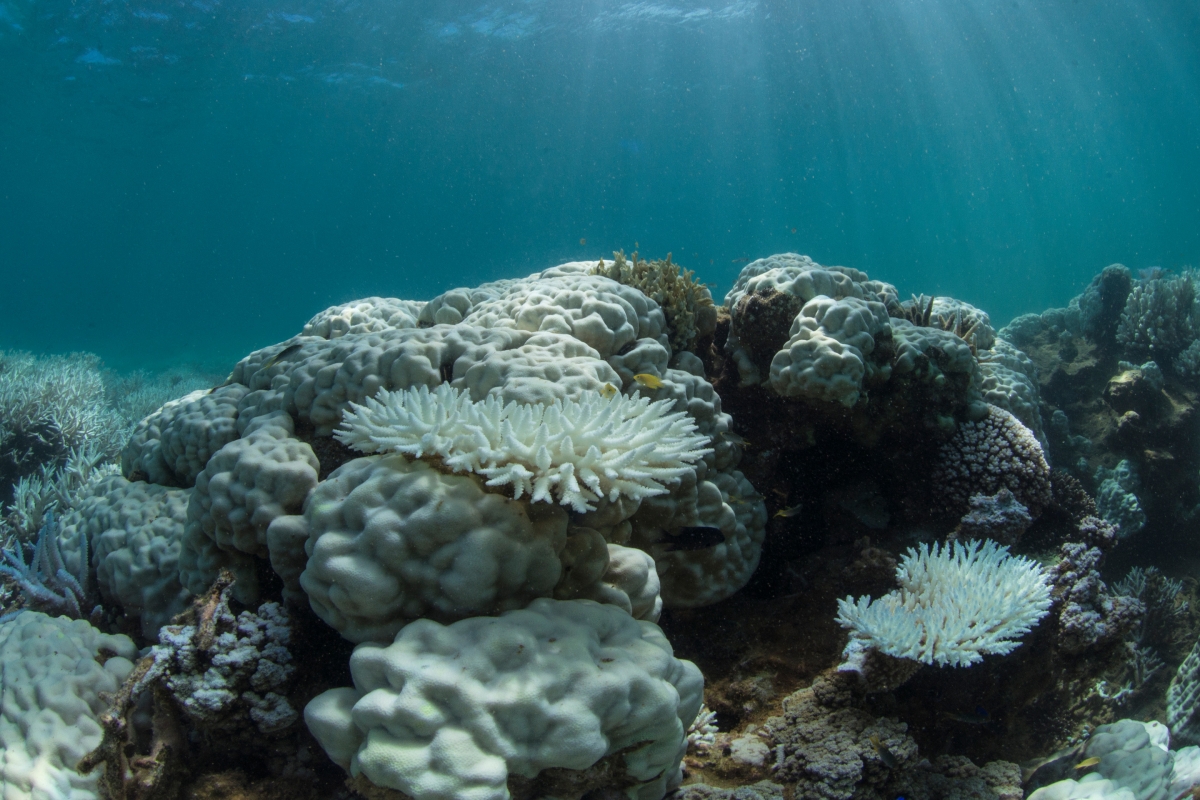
pixel 492 498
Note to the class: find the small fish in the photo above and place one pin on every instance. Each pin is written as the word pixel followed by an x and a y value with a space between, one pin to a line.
pixel 734 439
pixel 1088 762
pixel 608 391
pixel 282 355
pixel 789 512
pixel 648 380
pixel 582 241
pixel 779 492
pixel 694 537
pixel 978 717
pixel 885 755
pixel 741 260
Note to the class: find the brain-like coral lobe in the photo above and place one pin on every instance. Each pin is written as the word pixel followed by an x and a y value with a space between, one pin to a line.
pixel 173 444
pixel 483 707
pixel 391 540
pixel 252 480
pixel 51 692
pixel 135 530
pixel 368 315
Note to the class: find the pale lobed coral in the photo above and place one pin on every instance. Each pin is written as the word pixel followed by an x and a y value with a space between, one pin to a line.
pixel 826 357
pixel 171 446
pixel 265 474
pixel 389 540
pixel 367 315
pixel 985 456
pixel 573 452
pixel 447 712
pixel 955 604
pixel 54 671
pixel 134 531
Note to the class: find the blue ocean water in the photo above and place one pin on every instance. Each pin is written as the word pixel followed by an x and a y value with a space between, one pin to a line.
pixel 185 180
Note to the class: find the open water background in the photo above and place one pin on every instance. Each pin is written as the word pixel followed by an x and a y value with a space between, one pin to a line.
pixel 186 180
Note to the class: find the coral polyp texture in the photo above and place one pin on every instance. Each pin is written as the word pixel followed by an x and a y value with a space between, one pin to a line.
pixel 955 605
pixel 560 696
pixel 573 452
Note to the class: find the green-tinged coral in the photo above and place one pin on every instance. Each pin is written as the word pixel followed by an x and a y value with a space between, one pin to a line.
pixel 686 302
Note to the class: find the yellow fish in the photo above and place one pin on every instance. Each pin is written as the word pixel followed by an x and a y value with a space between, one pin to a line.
pixel 790 511
pixel 1088 762
pixel 608 391
pixel 648 380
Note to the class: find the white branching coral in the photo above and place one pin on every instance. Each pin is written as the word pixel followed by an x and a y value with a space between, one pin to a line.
pixel 955 604
pixel 571 451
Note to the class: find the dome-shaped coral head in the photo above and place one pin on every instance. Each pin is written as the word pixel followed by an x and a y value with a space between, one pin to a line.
pixel 955 604
pixel 572 451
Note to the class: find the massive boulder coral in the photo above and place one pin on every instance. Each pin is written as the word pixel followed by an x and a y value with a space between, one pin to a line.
pixel 171 446
pixel 446 712
pixel 54 672
pixel 389 540
pixel 364 316
pixel 134 531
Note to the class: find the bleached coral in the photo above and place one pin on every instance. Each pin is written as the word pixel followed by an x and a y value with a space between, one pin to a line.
pixel 55 675
pixel 464 710
pixel 955 605
pixel 573 452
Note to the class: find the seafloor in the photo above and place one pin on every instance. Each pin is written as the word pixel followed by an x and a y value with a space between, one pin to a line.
pixel 604 538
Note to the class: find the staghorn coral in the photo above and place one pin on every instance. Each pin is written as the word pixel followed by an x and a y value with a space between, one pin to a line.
pixel 572 452
pixel 687 303
pixel 49 406
pixel 955 604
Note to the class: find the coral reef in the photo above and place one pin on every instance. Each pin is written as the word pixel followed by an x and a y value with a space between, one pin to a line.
pixel 500 494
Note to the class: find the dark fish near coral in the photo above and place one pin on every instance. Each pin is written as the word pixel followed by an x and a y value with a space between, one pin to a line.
pixel 694 537
pixel 282 355
pixel 741 260
pixel 977 717
pixel 790 511
pixel 885 755
pixel 734 439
